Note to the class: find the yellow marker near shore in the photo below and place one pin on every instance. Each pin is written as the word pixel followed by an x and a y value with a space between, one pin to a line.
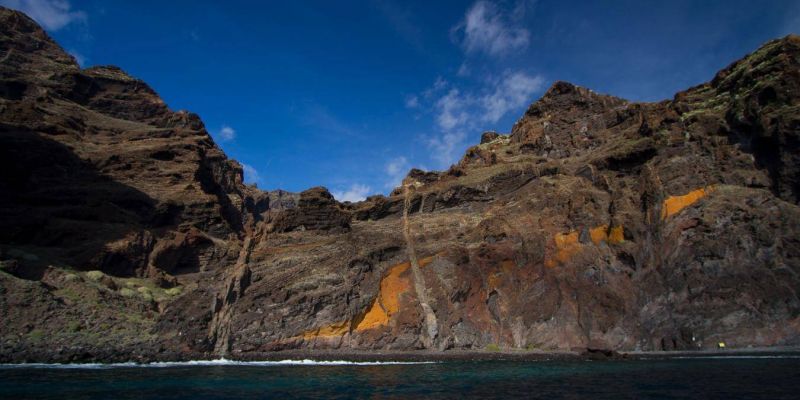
pixel 721 345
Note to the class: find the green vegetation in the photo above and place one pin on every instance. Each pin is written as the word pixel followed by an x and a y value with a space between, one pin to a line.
pixel 69 293
pixel 73 326
pixel 126 292
pixel 492 347
pixel 95 275
pixel 36 335
pixel 148 289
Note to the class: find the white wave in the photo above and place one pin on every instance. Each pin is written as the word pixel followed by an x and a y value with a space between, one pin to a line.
pixel 217 362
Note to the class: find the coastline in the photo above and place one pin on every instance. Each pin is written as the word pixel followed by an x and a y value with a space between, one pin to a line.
pixel 388 356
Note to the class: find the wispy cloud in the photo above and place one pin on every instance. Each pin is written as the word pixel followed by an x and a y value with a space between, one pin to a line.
pixel 438 85
pixel 459 111
pixel 51 14
pixel 322 119
pixel 396 170
pixel 356 192
pixel 487 29
pixel 412 101
pixel 447 147
pixel 452 110
pixel 251 175
pixel 80 58
pixel 226 133
pixel 511 92
pixel 463 70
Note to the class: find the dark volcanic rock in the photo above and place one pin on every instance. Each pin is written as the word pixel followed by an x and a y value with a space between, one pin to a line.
pixel 596 224
pixel 487 137
pixel 316 210
pixel 97 171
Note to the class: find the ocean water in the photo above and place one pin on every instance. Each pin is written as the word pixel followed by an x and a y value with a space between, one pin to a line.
pixel 744 377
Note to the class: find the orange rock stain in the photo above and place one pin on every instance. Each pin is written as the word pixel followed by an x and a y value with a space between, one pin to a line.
pixel 616 235
pixel 674 204
pixel 333 330
pixel 568 244
pixel 599 234
pixel 387 303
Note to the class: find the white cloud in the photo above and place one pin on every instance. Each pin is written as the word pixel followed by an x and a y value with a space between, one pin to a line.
pixel 79 58
pixel 434 90
pixel 447 148
pixel 356 192
pixel 463 70
pixel 51 14
pixel 412 101
pixel 452 110
pixel 511 92
pixel 487 30
pixel 396 170
pixel 226 133
pixel 457 112
pixel 250 174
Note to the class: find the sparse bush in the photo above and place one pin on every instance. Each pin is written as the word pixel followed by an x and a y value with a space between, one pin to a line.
pixel 145 293
pixel 95 275
pixel 71 278
pixel 73 326
pixel 492 347
pixel 147 296
pixel 36 335
pixel 125 292
pixel 173 291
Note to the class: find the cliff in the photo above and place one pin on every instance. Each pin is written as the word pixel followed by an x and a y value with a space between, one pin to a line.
pixel 596 223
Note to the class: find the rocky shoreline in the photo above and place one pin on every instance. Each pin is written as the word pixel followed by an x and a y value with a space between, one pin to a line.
pixel 77 356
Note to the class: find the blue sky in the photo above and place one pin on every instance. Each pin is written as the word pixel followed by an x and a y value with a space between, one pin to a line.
pixel 350 95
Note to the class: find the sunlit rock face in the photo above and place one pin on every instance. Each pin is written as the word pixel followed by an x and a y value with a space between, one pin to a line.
pixel 596 222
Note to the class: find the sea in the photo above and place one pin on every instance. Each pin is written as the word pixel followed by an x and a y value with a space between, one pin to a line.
pixel 773 376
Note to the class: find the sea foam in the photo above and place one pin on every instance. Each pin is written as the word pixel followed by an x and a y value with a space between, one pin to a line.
pixel 211 363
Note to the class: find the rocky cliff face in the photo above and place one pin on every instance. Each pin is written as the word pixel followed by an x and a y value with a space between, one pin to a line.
pixel 596 222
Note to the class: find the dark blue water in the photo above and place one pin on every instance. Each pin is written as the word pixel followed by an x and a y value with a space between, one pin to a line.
pixel 712 378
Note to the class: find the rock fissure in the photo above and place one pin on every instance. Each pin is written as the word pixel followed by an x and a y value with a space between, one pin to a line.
pixel 431 324
pixel 225 301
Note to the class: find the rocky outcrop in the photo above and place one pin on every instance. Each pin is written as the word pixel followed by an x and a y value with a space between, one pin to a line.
pixel 596 223
pixel 316 210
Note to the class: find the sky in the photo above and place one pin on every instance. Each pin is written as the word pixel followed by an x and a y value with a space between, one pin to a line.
pixel 351 95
